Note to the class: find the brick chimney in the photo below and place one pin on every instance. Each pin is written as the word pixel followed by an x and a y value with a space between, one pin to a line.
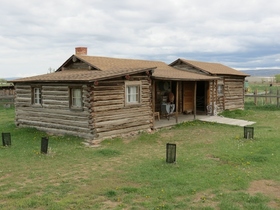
pixel 81 50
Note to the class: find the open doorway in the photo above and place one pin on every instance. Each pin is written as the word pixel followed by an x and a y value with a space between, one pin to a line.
pixel 201 96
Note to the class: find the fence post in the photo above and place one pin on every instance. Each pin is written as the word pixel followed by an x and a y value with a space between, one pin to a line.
pixel 277 98
pixel 265 95
pixel 270 93
pixel 255 96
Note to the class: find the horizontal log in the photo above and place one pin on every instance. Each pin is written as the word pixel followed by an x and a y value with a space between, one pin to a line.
pixel 108 97
pixel 55 88
pixel 65 112
pixel 55 102
pixel 51 125
pixel 130 110
pixel 110 82
pixel 23 100
pixel 104 92
pixel 122 121
pixel 108 102
pixel 234 80
pixel 23 92
pixel 115 116
pixel 119 107
pixel 122 131
pixel 63 132
pixel 61 93
pixel 107 108
pixel 117 87
pixel 23 104
pixel 23 95
pixel 57 116
pixel 55 120
pixel 55 97
pixel 22 87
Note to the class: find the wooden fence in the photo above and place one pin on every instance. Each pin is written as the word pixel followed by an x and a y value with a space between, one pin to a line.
pixel 265 97
pixel 7 101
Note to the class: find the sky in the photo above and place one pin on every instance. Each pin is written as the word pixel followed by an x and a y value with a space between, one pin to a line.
pixel 39 36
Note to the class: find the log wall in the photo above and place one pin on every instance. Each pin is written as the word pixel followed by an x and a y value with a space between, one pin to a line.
pixel 111 116
pixel 54 115
pixel 233 97
pixel 104 113
pixel 234 93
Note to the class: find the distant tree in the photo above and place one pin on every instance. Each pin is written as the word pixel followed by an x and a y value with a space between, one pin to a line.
pixel 3 81
pixel 277 78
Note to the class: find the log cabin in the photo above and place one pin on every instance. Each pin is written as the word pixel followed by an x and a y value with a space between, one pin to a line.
pixel 225 93
pixel 98 97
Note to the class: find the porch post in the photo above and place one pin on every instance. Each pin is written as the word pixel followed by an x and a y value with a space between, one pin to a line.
pixel 213 95
pixel 177 100
pixel 194 103
pixel 153 100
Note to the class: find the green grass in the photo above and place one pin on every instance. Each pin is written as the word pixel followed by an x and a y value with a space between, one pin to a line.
pixel 214 170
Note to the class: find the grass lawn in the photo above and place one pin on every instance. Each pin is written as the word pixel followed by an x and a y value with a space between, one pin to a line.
pixel 216 168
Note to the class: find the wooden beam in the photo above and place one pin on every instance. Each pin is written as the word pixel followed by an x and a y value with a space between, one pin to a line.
pixel 214 96
pixel 194 100
pixel 177 100
pixel 224 92
pixel 153 99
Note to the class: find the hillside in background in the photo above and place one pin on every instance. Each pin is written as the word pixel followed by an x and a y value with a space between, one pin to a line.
pixel 262 72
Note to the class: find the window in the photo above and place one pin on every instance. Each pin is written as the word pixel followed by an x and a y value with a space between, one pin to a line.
pixel 36 96
pixel 76 98
pixel 220 89
pixel 132 92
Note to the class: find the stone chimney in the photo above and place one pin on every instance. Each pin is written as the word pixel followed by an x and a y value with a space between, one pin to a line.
pixel 81 50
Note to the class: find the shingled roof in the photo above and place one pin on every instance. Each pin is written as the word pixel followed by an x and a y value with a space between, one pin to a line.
pixel 212 68
pixel 106 68
pixel 162 70
pixel 82 75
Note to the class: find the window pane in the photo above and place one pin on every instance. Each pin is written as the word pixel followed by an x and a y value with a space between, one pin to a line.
pixel 77 97
pixel 37 96
pixel 133 94
pixel 220 89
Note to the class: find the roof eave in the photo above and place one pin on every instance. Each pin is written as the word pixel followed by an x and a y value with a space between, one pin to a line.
pixel 185 79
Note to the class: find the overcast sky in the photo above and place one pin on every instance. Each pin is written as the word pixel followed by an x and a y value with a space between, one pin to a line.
pixel 37 35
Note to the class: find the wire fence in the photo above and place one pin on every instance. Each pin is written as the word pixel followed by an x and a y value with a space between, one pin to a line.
pixel 7 101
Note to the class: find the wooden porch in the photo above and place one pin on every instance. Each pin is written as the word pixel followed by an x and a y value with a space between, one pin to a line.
pixel 164 122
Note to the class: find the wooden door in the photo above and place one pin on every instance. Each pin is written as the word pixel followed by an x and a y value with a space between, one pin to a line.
pixel 188 96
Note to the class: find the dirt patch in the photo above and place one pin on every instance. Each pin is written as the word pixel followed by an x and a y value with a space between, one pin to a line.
pixel 268 188
pixel 205 199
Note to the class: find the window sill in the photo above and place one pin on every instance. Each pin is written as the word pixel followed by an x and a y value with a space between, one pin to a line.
pixel 132 105
pixel 37 105
pixel 78 109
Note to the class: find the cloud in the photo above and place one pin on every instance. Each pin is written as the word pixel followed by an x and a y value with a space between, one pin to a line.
pixel 36 35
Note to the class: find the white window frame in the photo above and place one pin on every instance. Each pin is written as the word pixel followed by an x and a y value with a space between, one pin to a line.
pixel 220 89
pixel 36 95
pixel 75 98
pixel 133 92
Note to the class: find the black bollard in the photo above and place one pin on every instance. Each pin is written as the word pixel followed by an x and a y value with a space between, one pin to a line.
pixel 44 145
pixel 6 139
pixel 170 153
pixel 248 132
